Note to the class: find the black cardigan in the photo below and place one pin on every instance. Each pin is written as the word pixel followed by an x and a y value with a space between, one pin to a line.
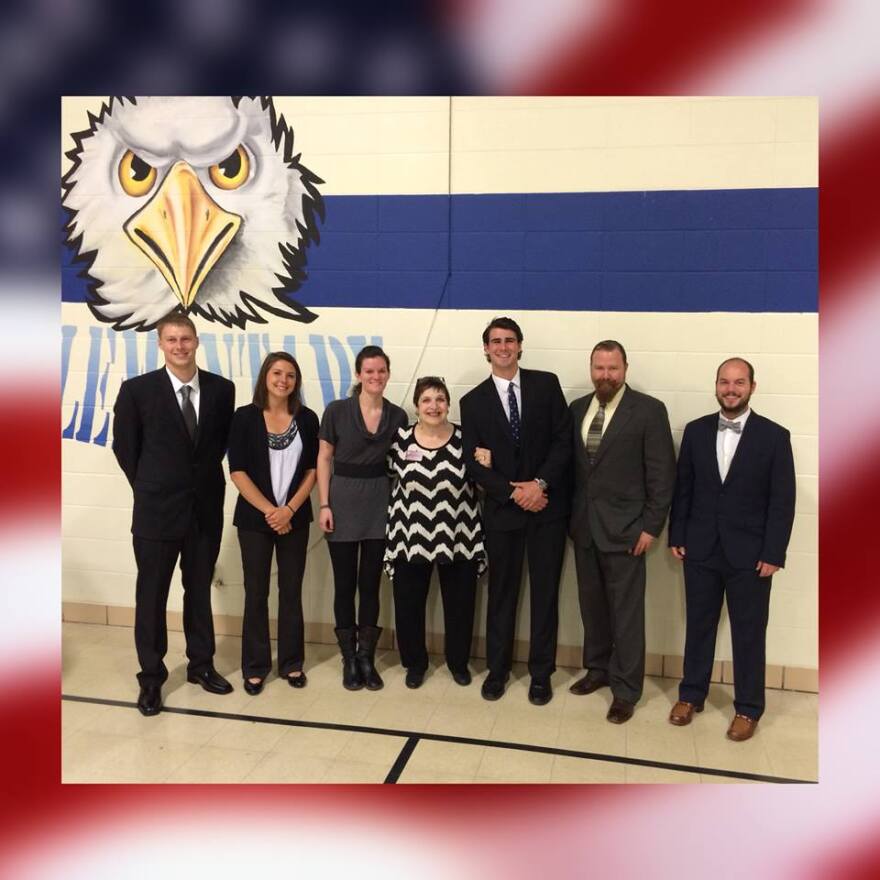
pixel 249 452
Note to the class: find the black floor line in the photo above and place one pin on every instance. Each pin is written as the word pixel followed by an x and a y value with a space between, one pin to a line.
pixel 405 753
pixel 442 737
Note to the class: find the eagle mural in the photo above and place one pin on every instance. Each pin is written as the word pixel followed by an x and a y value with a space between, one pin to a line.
pixel 193 204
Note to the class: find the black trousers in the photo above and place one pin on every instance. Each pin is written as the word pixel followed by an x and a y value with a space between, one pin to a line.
pixel 458 583
pixel 155 560
pixel 353 575
pixel 611 591
pixel 256 562
pixel 748 605
pixel 545 545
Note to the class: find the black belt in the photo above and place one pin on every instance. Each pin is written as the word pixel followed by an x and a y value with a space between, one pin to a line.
pixel 364 471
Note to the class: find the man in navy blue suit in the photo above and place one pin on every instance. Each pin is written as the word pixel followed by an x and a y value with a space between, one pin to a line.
pixel 731 519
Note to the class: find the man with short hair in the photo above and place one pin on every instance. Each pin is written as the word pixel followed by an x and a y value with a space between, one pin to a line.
pixel 731 520
pixel 625 469
pixel 170 432
pixel 519 418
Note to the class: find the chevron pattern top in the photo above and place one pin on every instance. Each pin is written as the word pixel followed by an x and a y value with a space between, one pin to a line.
pixel 433 515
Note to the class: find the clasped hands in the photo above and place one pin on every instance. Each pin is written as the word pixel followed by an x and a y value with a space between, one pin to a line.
pixel 528 495
pixel 278 519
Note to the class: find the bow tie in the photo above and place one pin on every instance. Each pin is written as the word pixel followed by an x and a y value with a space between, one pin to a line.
pixel 725 425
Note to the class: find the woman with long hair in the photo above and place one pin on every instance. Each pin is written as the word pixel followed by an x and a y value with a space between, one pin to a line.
pixel 354 488
pixel 273 447
pixel 434 519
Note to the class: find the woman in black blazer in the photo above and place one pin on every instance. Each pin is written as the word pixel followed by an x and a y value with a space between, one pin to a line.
pixel 273 447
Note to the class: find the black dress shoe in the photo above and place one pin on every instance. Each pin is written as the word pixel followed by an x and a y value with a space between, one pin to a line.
pixel 297 681
pixel 587 685
pixel 463 678
pixel 211 681
pixel 620 711
pixel 149 699
pixel 414 678
pixel 492 689
pixel 252 688
pixel 540 692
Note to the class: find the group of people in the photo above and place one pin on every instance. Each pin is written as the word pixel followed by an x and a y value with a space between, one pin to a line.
pixel 523 472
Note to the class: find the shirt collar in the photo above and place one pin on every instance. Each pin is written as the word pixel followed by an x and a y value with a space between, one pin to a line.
pixel 503 384
pixel 176 384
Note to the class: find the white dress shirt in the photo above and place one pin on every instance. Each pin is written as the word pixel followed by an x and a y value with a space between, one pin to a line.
pixel 193 395
pixel 725 445
pixel 593 408
pixel 502 385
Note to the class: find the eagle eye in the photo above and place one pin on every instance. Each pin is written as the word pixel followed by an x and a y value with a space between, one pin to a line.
pixel 135 175
pixel 233 171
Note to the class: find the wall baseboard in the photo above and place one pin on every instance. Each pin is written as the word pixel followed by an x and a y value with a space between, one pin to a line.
pixel 790 678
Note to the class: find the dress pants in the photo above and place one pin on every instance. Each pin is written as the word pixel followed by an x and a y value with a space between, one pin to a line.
pixel 155 560
pixel 458 583
pixel 748 605
pixel 611 591
pixel 256 562
pixel 356 575
pixel 545 544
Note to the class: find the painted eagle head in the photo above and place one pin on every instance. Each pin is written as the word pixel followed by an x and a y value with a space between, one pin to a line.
pixel 190 204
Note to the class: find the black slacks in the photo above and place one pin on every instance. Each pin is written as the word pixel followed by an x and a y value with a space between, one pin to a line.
pixel 458 582
pixel 353 575
pixel 748 605
pixel 611 592
pixel 545 545
pixel 256 562
pixel 155 560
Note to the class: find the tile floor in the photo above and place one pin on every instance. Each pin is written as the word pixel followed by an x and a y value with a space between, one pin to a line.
pixel 358 737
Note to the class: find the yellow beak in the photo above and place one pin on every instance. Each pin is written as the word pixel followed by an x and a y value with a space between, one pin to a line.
pixel 183 231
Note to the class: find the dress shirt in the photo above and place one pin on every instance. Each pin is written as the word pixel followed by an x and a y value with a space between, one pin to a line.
pixel 502 385
pixel 726 443
pixel 194 393
pixel 593 408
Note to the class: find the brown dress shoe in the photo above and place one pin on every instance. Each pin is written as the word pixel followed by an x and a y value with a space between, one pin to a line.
pixel 683 713
pixel 620 711
pixel 587 685
pixel 742 727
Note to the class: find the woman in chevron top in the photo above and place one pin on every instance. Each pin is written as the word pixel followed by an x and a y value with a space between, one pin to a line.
pixel 433 518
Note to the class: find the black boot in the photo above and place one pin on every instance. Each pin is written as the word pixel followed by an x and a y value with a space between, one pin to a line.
pixel 367 638
pixel 351 673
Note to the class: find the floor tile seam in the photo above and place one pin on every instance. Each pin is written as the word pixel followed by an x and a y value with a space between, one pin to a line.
pixel 541 749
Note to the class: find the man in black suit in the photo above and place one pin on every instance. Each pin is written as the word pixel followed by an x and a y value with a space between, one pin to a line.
pixel 170 432
pixel 624 474
pixel 731 519
pixel 520 417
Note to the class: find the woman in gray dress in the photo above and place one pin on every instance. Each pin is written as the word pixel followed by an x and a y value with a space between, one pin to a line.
pixel 354 489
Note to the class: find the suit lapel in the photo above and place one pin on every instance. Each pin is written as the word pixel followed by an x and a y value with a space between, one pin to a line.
pixel 578 418
pixel 746 441
pixel 171 404
pixel 497 410
pixel 205 409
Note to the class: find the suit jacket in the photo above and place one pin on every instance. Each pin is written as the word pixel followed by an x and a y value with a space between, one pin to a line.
pixel 628 488
pixel 752 511
pixel 173 478
pixel 544 450
pixel 249 452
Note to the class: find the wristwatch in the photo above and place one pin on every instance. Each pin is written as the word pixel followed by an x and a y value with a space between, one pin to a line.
pixel 541 483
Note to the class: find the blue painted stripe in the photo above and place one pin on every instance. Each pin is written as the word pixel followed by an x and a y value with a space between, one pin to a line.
pixel 707 250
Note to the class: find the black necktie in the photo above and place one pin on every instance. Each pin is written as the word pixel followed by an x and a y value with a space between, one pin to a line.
pixel 514 413
pixel 189 412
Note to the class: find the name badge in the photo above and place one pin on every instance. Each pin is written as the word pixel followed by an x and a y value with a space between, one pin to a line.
pixel 414 453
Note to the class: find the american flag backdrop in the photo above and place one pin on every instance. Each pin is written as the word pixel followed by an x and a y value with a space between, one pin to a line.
pixel 557 47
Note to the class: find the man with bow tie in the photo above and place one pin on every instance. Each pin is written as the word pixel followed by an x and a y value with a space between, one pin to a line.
pixel 732 514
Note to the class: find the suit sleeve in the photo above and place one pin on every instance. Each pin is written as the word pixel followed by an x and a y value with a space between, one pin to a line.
pixel 554 468
pixel 127 433
pixel 659 453
pixel 683 494
pixel 780 503
pixel 238 445
pixel 495 484
pixel 227 411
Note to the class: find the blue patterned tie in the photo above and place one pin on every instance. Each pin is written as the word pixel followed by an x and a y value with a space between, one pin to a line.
pixel 514 413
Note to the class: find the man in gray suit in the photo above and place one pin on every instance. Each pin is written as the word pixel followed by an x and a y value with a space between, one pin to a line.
pixel 624 478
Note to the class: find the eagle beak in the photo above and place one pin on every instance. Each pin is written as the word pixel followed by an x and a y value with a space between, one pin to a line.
pixel 183 231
